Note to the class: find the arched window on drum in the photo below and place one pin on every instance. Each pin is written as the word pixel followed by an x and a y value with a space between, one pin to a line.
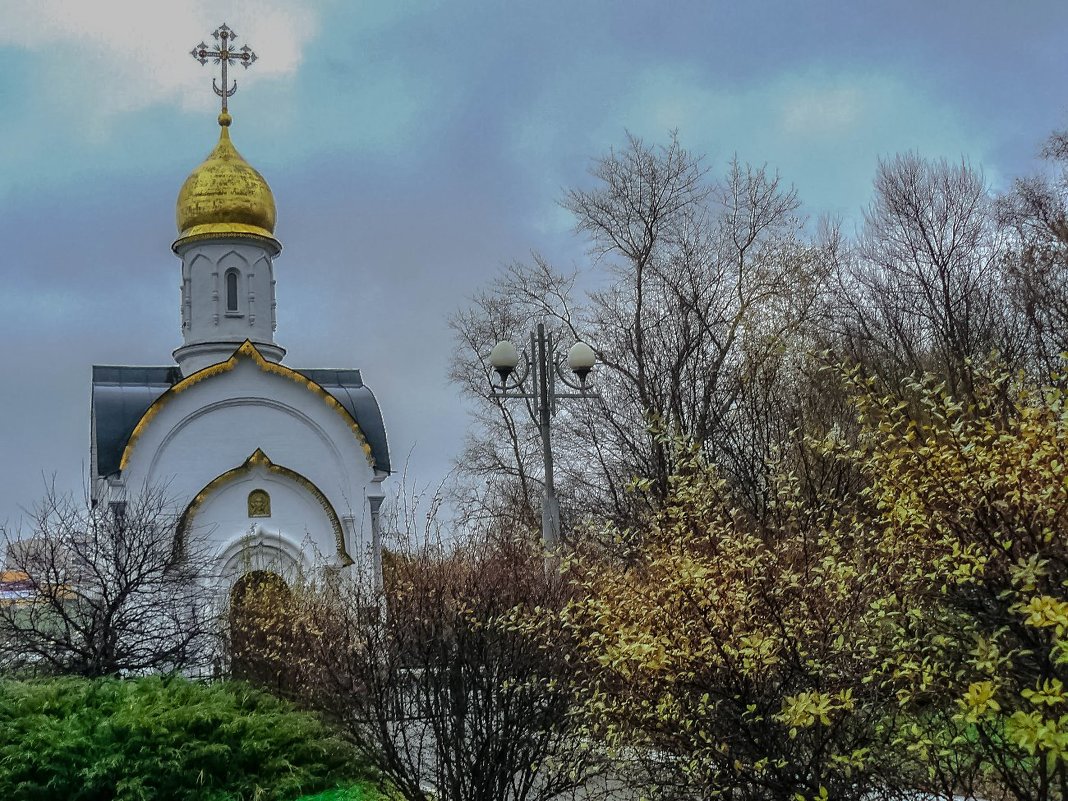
pixel 231 291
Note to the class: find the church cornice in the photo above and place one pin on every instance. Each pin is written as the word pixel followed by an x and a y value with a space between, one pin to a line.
pixel 248 352
pixel 260 459
pixel 223 232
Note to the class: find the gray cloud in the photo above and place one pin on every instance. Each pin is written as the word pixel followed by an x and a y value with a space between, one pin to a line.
pixel 426 147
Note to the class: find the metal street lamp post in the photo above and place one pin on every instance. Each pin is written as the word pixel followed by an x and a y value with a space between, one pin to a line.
pixel 543 366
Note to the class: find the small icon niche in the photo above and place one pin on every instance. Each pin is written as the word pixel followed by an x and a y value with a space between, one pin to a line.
pixel 259 503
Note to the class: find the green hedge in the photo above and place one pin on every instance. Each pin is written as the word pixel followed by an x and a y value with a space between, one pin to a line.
pixel 157 739
pixel 354 793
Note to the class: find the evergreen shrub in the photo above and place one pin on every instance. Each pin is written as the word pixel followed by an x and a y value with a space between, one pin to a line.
pixel 356 792
pixel 162 739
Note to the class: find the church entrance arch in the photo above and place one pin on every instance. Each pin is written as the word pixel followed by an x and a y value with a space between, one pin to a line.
pixel 260 611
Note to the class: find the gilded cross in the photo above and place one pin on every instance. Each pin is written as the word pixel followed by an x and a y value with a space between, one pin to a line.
pixel 224 54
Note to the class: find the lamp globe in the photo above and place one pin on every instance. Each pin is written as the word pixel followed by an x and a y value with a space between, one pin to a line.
pixel 581 359
pixel 504 358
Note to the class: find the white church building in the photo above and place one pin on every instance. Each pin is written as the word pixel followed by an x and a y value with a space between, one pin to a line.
pixel 278 466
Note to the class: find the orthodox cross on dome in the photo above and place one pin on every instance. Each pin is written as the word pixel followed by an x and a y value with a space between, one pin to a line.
pixel 224 54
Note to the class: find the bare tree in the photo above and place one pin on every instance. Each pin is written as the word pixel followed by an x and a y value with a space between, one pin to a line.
pixel 109 589
pixel 1036 216
pixel 433 679
pixel 926 289
pixel 708 287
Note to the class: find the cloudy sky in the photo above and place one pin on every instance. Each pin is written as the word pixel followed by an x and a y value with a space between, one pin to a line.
pixel 416 147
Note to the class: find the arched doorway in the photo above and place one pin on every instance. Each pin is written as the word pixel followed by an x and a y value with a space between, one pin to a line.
pixel 260 616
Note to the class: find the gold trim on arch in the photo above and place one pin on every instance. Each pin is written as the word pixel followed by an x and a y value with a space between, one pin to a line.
pixel 247 351
pixel 260 459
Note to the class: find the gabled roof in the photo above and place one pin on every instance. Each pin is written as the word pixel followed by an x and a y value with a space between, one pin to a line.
pixel 122 395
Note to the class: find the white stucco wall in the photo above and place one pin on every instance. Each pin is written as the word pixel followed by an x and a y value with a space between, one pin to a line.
pixel 214 425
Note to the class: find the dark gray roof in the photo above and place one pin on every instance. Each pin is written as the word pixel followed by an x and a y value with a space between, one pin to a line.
pixel 348 389
pixel 121 395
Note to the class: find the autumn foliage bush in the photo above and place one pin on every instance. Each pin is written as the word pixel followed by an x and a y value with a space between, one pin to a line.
pixel 969 504
pixel 731 658
pixel 907 636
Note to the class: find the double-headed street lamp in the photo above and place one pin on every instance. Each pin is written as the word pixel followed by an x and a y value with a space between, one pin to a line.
pixel 542 365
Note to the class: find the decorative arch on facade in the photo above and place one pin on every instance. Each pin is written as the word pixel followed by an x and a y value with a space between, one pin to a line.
pixel 260 459
pixel 314 428
pixel 246 351
pixel 187 278
pixel 269 552
pixel 196 260
pixel 235 271
pixel 232 259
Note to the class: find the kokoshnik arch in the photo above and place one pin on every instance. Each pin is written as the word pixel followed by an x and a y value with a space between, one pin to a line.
pixel 279 467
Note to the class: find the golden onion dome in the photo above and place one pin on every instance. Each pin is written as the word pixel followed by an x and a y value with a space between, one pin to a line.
pixel 225 196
